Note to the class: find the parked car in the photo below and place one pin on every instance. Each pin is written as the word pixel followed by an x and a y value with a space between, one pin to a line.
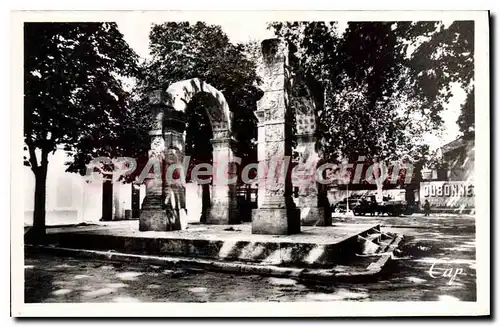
pixel 341 206
pixel 392 207
pixel 368 205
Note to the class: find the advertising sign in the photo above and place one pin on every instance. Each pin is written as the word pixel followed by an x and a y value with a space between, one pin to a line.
pixel 448 195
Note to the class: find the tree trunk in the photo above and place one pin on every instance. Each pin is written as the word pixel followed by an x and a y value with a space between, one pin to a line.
pixel 38 231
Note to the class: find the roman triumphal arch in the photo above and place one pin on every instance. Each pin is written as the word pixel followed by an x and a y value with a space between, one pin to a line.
pixel 277 111
pixel 168 147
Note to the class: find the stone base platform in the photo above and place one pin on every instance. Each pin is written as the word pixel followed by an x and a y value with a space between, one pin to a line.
pixel 314 247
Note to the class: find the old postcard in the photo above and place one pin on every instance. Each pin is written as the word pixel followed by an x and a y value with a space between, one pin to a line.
pixel 257 163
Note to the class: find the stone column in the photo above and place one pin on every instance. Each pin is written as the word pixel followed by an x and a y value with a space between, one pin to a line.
pixel 166 134
pixel 277 213
pixel 223 207
pixel 311 210
pixel 174 125
pixel 152 217
pixel 261 155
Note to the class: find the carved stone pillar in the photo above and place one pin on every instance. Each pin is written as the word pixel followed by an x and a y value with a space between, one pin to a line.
pixel 152 217
pixel 261 156
pixel 175 182
pixel 311 211
pixel 277 213
pixel 223 207
pixel 166 139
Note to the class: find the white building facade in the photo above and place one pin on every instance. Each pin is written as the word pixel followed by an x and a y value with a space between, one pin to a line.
pixel 70 199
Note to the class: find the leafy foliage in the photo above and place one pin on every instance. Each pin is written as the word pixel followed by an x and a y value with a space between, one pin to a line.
pixel 444 57
pixel 74 96
pixel 466 118
pixel 384 84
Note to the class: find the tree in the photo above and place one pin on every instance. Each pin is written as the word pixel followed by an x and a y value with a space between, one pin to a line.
pixel 73 95
pixel 181 50
pixel 444 55
pixel 384 83
pixel 466 119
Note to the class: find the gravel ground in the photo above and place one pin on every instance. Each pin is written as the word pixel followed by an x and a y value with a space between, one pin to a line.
pixel 447 242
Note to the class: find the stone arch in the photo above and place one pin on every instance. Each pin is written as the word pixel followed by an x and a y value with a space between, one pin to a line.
pixel 169 123
pixel 179 95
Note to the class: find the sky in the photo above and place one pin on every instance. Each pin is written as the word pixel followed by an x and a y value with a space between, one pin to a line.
pixel 136 32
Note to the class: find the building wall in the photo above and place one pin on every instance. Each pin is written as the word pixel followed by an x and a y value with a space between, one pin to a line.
pixel 69 198
pixel 461 163
pixel 458 159
pixel 193 202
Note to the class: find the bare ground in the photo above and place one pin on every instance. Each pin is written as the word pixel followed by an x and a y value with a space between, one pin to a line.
pixel 449 242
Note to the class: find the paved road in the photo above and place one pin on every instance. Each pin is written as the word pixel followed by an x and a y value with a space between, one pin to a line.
pixel 449 242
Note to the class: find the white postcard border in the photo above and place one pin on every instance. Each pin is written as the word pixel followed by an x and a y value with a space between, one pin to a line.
pixel 341 308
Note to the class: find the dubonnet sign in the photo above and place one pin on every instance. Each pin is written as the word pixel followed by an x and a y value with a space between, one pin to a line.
pixel 448 195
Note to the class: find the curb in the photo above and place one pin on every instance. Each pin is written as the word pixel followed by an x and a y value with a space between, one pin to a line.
pixel 325 275
pixel 415 216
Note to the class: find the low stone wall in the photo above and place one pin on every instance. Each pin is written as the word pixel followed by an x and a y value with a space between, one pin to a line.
pixel 273 252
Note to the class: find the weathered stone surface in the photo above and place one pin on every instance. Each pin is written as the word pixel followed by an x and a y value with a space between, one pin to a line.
pixel 275 190
pixel 303 106
pixel 276 213
pixel 275 69
pixel 181 93
pixel 304 178
pixel 152 220
pixel 152 214
pixel 167 147
pixel 275 150
pixel 275 110
pixel 261 145
pixel 314 216
pixel 174 140
pixel 272 100
pixel 157 143
pixel 221 134
pixel 223 203
pixel 157 97
pixel 274 132
pixel 223 212
pixel 164 204
pixel 276 221
pixel 306 124
pixel 274 83
pixel 277 168
pixel 274 51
